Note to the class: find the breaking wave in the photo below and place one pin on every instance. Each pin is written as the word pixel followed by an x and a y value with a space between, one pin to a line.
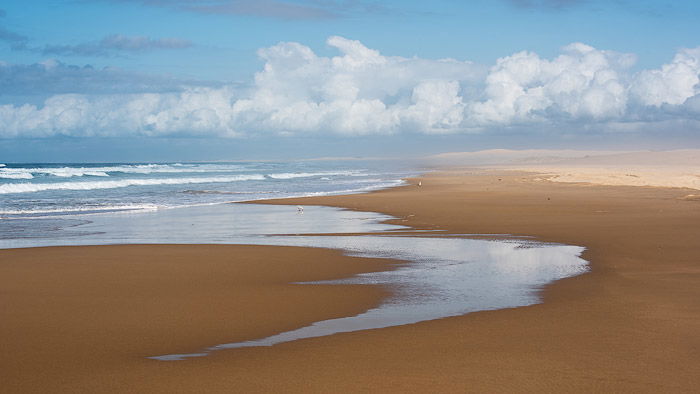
pixel 16 175
pixel 85 209
pixel 37 187
pixel 292 175
pixel 145 169
pixel 67 172
pixel 112 184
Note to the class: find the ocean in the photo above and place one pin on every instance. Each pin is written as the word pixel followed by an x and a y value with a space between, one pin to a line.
pixel 58 192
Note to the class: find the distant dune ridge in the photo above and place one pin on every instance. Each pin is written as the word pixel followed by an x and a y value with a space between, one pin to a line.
pixel 676 168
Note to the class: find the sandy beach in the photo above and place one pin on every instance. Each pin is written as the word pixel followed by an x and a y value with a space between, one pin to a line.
pixel 83 319
pixel 349 196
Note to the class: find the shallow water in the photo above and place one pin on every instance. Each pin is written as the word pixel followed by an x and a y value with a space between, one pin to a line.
pixel 441 277
pixel 218 224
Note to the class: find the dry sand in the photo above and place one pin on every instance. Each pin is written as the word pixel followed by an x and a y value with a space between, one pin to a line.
pixel 82 319
pixel 680 169
pixel 685 177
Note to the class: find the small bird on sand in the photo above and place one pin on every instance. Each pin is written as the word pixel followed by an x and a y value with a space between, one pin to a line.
pixel 300 209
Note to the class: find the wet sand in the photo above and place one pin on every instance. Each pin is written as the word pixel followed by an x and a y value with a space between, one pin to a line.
pixel 83 318
pixel 630 325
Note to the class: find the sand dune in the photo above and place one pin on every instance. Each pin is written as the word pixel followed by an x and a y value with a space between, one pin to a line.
pixel 508 156
pixel 682 177
pixel 678 168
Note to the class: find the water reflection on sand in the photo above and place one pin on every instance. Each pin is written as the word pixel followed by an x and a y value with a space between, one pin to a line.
pixel 441 277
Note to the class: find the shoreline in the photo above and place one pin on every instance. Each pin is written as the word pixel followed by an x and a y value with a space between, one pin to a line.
pixel 636 208
pixel 592 351
pixel 63 214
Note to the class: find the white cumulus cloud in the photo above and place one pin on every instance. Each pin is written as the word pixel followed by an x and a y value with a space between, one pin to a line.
pixel 361 91
pixel 673 83
pixel 358 92
pixel 583 82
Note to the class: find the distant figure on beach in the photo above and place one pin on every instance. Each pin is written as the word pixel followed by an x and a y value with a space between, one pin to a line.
pixel 420 183
pixel 300 209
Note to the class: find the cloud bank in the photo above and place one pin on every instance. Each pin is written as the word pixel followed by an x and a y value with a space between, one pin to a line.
pixel 37 82
pixel 16 41
pixel 113 44
pixel 360 91
pixel 275 9
pixel 108 46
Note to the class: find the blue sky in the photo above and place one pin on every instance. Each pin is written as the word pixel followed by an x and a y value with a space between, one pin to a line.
pixel 340 75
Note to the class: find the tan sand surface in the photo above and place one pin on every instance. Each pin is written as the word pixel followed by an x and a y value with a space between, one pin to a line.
pixel 681 177
pixel 630 325
pixel 679 168
pixel 83 319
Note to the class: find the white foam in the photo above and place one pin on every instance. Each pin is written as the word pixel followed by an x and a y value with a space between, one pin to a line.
pixel 67 172
pixel 126 169
pixel 379 186
pixel 292 175
pixel 37 187
pixel 17 175
pixel 140 207
pixel 172 168
pixel 70 172
pixel 63 172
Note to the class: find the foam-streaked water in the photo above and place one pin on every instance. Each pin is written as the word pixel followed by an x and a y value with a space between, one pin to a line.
pixel 28 190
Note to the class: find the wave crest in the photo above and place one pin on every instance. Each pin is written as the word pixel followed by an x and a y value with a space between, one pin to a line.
pixel 37 187
pixel 19 175
pixel 85 209
pixel 66 172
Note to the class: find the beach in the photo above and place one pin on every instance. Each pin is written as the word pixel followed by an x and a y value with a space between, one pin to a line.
pixel 84 319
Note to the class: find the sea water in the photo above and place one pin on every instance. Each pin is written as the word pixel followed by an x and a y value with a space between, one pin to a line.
pixel 30 189
pixel 48 200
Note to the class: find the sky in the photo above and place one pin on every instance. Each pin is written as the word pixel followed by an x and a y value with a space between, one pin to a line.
pixel 169 80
